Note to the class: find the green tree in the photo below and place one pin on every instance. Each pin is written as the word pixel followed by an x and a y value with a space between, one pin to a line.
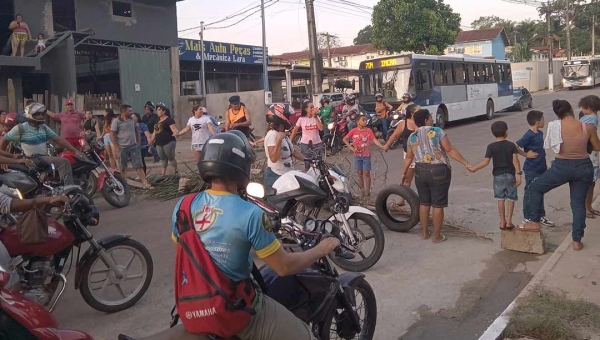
pixel 495 22
pixel 521 52
pixel 364 36
pixel 342 84
pixel 334 40
pixel 420 26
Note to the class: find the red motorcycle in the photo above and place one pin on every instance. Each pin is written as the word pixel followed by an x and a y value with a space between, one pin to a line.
pixel 112 275
pixel 338 129
pixel 21 318
pixel 92 174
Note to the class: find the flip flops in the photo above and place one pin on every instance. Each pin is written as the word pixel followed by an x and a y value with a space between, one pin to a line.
pixel 440 241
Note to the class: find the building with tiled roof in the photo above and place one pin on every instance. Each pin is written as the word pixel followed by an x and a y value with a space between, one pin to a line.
pixel 341 57
pixel 485 43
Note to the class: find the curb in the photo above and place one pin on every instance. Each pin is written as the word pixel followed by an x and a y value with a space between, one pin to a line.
pixel 494 332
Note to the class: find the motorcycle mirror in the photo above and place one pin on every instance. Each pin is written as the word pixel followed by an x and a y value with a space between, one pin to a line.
pixel 310 144
pixel 255 190
pixel 4 277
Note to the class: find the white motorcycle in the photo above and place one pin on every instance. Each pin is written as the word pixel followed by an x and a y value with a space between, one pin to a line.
pixel 298 197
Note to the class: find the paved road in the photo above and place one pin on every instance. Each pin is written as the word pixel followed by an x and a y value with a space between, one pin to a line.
pixel 452 290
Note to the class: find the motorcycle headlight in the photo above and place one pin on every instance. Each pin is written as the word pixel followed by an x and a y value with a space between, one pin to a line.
pixel 330 126
pixel 16 193
pixel 589 79
pixel 396 117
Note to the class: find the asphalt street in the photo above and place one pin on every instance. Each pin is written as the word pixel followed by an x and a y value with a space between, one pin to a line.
pixel 451 290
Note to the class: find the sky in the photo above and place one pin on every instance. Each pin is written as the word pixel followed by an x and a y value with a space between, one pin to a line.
pixel 286 19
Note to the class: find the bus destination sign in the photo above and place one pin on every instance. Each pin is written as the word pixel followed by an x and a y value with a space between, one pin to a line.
pixel 389 62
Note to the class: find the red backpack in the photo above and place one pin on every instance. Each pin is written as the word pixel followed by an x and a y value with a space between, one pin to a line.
pixel 207 301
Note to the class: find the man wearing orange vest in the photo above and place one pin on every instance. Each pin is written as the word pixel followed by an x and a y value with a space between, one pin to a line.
pixel 237 116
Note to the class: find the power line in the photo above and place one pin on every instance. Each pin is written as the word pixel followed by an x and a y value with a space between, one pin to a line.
pixel 352 4
pixel 231 16
pixel 336 10
pixel 273 2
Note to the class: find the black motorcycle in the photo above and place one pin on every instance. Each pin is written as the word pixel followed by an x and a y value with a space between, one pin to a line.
pixel 396 118
pixel 333 305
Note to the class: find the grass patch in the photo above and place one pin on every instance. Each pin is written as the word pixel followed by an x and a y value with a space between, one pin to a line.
pixel 547 315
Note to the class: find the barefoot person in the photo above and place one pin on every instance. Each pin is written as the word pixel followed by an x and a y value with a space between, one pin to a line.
pixel 507 172
pixel 569 139
pixel 429 147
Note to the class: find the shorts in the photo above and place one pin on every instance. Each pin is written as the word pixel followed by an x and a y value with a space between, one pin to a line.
pixel 505 187
pixel 362 163
pixel 107 141
pixel 412 165
pixel 433 184
pixel 133 154
pixel 197 147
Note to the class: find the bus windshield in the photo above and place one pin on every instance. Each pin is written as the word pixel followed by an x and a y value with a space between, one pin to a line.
pixel 576 71
pixel 390 83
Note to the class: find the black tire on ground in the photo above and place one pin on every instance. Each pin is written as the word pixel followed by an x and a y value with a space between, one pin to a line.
pixel 411 198
pixel 521 106
pixel 440 118
pixel 109 194
pixel 336 147
pixel 531 104
pixel 371 260
pixel 489 110
pixel 91 185
pixel 370 317
pixel 89 297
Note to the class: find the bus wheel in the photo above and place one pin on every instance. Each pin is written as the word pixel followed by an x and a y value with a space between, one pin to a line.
pixel 489 110
pixel 440 118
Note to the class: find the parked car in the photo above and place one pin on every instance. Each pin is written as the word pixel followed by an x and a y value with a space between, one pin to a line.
pixel 335 98
pixel 521 99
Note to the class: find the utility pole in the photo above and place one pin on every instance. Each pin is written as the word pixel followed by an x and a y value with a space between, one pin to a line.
pixel 328 42
pixel 264 47
pixel 202 75
pixel 313 49
pixel 568 30
pixel 550 50
pixel 593 36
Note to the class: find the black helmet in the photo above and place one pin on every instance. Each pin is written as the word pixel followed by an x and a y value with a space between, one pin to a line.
pixel 149 105
pixel 325 99
pixel 227 155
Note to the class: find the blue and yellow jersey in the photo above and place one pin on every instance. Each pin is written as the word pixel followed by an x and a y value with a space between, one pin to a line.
pixel 228 227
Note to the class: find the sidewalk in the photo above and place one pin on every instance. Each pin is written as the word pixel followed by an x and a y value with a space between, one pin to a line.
pixel 576 273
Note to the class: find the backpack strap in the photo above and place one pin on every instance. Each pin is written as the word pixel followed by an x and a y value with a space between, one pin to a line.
pixel 184 214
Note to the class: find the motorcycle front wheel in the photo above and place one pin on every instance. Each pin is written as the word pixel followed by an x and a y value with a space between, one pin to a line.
pixel 116 194
pixel 337 324
pixel 91 184
pixel 367 230
pixel 101 288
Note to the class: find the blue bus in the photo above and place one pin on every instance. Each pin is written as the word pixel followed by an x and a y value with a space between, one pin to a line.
pixel 452 88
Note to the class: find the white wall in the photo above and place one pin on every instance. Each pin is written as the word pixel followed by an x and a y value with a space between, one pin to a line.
pixel 534 74
pixel 217 105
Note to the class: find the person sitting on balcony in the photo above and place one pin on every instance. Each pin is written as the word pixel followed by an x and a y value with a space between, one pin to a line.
pixel 41 43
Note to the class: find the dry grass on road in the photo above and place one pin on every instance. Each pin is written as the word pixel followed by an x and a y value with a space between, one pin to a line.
pixel 546 315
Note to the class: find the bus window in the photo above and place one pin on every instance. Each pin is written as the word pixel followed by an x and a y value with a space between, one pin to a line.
pixel 487 73
pixel 438 77
pixel 459 73
pixel 494 73
pixel 508 76
pixel 423 80
pixel 473 74
pixel 448 74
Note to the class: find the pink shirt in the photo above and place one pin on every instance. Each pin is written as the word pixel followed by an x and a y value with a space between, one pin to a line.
pixel 70 124
pixel 23 28
pixel 361 139
pixel 310 131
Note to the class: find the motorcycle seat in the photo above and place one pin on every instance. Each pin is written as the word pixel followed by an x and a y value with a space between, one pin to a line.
pixel 176 333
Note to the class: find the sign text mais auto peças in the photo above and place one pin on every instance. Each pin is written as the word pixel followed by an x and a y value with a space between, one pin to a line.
pixel 189 49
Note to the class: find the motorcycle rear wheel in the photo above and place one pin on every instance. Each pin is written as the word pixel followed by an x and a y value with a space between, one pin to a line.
pixel 92 297
pixel 367 261
pixel 336 323
pixel 114 199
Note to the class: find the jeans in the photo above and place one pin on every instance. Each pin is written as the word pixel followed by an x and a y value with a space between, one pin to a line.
pixel 270 177
pixel 505 187
pixel 384 126
pixel 531 176
pixel 579 173
pixel 154 153
pixel 307 152
pixel 63 167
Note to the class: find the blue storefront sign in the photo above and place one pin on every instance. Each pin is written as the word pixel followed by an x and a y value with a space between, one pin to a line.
pixel 189 49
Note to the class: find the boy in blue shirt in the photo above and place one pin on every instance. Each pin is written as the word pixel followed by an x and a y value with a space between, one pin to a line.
pixel 533 140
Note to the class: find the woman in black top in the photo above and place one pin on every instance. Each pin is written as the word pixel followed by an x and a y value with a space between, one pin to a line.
pixel 164 137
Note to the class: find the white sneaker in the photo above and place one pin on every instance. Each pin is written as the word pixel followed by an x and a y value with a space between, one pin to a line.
pixel 525 221
pixel 546 222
